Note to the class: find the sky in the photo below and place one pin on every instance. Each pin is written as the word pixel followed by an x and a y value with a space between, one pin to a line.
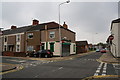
pixel 91 20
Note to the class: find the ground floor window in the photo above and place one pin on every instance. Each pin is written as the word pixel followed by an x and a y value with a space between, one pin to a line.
pixel 30 48
pixel 5 47
pixel 17 48
pixel 43 46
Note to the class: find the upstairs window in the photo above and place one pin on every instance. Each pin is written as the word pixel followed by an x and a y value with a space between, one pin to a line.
pixel 52 35
pixel 30 35
pixel 5 39
pixel 18 38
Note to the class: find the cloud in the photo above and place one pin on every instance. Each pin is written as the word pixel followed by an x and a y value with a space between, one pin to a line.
pixel 84 18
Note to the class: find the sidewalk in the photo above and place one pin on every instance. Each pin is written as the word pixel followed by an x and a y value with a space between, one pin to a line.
pixel 108 58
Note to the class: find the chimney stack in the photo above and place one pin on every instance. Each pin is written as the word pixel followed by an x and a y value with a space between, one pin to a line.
pixel 35 22
pixel 65 25
pixel 13 27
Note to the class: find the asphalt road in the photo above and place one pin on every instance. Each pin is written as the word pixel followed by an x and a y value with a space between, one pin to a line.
pixel 81 67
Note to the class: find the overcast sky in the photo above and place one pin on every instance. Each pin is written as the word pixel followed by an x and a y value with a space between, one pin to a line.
pixel 90 20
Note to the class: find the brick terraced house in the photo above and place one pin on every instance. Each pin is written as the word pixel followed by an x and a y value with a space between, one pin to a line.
pixel 39 37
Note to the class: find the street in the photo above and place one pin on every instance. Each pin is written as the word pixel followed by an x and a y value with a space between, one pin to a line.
pixel 82 67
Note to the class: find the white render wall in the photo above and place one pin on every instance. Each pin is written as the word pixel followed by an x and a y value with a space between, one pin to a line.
pixel 119 40
pixel 72 48
pixel 57 48
pixel 115 41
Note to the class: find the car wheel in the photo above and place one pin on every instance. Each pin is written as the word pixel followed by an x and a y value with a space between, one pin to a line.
pixel 46 56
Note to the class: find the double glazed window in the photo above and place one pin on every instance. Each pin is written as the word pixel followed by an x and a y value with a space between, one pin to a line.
pixel 52 35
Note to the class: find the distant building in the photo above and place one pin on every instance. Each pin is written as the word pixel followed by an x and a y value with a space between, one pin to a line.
pixel 82 47
pixel 39 37
pixel 115 43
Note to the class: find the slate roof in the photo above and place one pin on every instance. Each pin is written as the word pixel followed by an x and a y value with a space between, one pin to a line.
pixel 81 43
pixel 17 30
pixel 50 25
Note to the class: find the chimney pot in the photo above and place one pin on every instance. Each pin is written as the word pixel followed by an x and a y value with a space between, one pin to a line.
pixel 13 27
pixel 35 22
pixel 65 25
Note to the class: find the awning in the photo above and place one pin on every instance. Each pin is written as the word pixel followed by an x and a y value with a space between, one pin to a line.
pixel 66 43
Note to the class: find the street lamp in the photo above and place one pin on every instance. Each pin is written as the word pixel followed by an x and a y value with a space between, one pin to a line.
pixel 60 26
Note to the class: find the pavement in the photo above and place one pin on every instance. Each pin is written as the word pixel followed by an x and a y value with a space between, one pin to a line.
pixel 106 57
pixel 109 58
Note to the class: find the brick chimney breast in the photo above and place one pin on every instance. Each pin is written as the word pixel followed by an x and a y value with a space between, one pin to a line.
pixel 13 27
pixel 35 22
pixel 65 25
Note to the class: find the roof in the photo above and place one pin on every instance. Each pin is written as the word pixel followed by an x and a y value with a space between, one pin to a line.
pixel 81 43
pixel 50 25
pixel 115 21
pixel 17 30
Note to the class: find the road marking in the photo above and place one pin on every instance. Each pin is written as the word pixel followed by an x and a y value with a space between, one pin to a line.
pixel 98 69
pixel 60 68
pixel 16 60
pixel 104 69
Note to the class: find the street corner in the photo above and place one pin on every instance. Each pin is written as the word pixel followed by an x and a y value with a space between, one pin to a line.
pixel 8 68
pixel 108 62
pixel 103 77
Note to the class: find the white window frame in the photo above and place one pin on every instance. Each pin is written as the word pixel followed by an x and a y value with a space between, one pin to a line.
pixel 29 35
pixel 18 37
pixel 4 48
pixel 52 33
pixel 6 39
pixel 17 48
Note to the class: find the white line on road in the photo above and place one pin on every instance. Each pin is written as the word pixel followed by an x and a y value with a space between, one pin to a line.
pixel 98 69
pixel 60 68
pixel 104 69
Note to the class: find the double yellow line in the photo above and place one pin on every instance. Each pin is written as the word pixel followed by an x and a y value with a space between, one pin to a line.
pixel 18 68
pixel 101 76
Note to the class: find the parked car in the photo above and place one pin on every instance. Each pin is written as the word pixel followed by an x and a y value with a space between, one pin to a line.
pixel 97 50
pixel 44 53
pixel 103 51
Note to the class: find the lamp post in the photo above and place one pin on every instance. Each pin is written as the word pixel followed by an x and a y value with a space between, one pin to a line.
pixel 60 26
